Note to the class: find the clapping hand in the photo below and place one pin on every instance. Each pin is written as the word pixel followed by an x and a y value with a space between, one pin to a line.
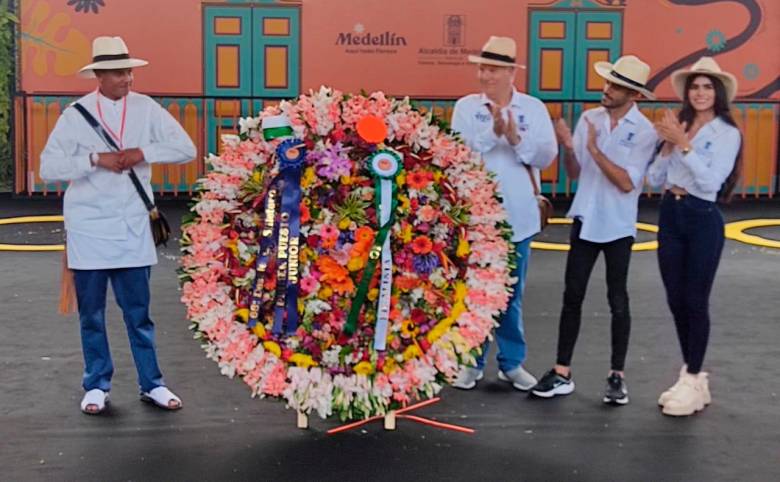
pixel 672 130
pixel 563 133
pixel 593 135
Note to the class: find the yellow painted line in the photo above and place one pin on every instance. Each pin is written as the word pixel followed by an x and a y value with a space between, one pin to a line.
pixel 736 231
pixel 644 246
pixel 31 247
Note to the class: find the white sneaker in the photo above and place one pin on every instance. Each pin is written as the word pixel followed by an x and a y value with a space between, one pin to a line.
pixel 687 399
pixel 519 378
pixel 468 378
pixel 670 391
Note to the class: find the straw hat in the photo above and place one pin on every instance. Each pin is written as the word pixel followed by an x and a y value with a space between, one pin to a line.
pixel 109 53
pixel 499 51
pixel 706 66
pixel 627 71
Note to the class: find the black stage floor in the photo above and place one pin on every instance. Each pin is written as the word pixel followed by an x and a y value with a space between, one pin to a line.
pixel 223 434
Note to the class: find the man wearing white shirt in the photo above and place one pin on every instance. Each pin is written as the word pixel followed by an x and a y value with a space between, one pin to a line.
pixel 609 154
pixel 108 233
pixel 514 134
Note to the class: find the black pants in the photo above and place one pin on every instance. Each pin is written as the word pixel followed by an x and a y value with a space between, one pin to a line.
pixel 579 265
pixel 690 241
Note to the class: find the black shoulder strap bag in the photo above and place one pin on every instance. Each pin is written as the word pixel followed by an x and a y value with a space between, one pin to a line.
pixel 161 231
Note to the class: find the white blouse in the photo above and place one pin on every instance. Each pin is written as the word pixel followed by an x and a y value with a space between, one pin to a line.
pixel 705 168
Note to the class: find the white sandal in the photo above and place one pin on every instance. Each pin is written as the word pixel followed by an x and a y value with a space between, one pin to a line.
pixel 162 397
pixel 96 397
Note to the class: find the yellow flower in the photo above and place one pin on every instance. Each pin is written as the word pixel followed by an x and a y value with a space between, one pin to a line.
pixel 400 179
pixel 437 176
pixel 256 176
pixel 460 291
pixel 273 347
pixel 232 245
pixel 258 330
pixel 463 248
pixel 303 361
pixel 403 202
pixel 440 329
pixel 344 223
pixel 373 294
pixel 406 234
pixel 325 293
pixel 308 177
pixel 346 180
pixel 390 366
pixel 412 351
pixel 364 368
pixel 408 329
pixel 355 264
pixel 242 314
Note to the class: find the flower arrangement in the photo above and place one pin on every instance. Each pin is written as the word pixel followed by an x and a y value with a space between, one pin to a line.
pixel 442 275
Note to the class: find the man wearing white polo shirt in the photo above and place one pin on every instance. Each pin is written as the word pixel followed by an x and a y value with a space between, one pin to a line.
pixel 515 136
pixel 609 154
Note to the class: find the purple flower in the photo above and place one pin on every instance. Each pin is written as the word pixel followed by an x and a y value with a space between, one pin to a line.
pixel 332 163
pixel 425 263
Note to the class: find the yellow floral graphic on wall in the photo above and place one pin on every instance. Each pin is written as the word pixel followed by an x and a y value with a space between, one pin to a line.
pixel 51 42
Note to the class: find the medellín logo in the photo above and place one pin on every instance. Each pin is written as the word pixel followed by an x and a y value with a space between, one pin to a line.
pixel 360 37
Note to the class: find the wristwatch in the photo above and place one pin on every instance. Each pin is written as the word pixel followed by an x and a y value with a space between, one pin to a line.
pixel 94 157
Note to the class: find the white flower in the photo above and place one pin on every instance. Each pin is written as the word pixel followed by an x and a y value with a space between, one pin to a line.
pixel 247 124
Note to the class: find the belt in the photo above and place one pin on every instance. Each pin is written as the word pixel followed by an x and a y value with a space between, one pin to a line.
pixel 677 192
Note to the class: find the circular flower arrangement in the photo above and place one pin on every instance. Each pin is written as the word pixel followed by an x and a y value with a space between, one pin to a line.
pixel 398 271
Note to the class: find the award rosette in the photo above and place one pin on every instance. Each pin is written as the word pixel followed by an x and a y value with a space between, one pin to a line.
pixel 345 253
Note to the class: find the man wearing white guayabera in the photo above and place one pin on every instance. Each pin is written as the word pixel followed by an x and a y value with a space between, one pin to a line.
pixel 107 223
pixel 514 134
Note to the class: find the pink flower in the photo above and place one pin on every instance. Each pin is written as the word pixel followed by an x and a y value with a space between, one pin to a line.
pixel 309 284
pixel 427 213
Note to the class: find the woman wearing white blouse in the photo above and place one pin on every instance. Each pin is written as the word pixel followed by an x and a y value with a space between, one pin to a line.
pixel 699 160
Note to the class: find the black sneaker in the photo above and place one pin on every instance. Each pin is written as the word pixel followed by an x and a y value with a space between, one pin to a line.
pixel 616 392
pixel 553 384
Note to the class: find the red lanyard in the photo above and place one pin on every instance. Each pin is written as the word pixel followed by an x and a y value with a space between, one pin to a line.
pixel 117 138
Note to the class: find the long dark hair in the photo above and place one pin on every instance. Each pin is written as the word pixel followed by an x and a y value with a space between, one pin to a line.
pixel 722 109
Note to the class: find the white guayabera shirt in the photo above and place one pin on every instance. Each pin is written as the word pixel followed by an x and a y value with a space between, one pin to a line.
pixel 537 148
pixel 106 221
pixel 606 212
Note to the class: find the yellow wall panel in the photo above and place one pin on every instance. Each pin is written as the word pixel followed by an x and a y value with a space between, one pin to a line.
pixel 595 81
pixel 552 65
pixel 278 27
pixel 228 66
pixel 227 26
pixel 599 30
pixel 276 67
pixel 552 30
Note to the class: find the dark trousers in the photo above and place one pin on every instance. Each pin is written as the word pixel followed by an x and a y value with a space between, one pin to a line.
pixel 131 288
pixel 690 241
pixel 579 265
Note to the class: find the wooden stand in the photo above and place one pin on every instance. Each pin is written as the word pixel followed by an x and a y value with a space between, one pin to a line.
pixel 391 418
pixel 303 420
pixel 390 421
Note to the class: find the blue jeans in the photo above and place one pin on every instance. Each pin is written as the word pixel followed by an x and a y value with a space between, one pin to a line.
pixel 690 242
pixel 131 289
pixel 510 335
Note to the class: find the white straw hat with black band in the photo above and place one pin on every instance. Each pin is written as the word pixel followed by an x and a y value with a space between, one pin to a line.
pixel 109 53
pixel 627 71
pixel 498 51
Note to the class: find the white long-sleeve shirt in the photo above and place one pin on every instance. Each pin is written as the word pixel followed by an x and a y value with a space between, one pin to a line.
pixel 106 221
pixel 705 168
pixel 537 148
pixel 606 212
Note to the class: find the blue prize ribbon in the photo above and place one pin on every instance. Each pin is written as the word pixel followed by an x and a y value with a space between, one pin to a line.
pixel 291 154
pixel 266 247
